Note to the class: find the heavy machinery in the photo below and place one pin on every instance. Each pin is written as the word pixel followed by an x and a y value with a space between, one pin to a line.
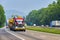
pixel 16 23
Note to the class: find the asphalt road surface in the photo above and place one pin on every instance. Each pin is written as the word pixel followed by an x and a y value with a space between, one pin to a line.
pixel 6 36
pixel 28 35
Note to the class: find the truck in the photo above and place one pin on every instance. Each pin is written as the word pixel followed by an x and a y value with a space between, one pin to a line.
pixel 55 24
pixel 16 23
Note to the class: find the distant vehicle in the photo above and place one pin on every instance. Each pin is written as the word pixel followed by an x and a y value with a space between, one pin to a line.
pixel 47 25
pixel 34 24
pixel 42 25
pixel 55 24
pixel 16 23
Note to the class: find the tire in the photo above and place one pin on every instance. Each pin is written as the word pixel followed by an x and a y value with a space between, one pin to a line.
pixel 10 28
pixel 24 30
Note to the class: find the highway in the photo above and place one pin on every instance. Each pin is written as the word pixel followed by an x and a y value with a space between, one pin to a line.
pixel 6 34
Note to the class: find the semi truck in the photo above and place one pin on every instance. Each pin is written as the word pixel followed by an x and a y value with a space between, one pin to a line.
pixel 16 23
pixel 55 24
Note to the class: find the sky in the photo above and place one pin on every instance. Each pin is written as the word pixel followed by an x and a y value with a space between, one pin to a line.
pixel 24 6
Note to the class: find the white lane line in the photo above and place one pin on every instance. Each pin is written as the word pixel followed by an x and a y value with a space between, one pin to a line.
pixel 15 35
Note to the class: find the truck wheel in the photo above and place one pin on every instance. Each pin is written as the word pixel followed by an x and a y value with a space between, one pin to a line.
pixel 24 30
pixel 10 28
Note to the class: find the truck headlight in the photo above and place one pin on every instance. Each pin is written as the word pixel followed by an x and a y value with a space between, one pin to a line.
pixel 16 27
pixel 23 27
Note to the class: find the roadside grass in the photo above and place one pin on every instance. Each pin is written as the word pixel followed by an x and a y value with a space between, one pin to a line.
pixel 0 26
pixel 45 29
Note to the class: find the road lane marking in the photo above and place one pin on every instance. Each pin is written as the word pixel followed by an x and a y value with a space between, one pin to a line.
pixel 15 35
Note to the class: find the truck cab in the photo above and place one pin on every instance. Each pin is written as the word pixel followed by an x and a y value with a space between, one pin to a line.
pixel 17 24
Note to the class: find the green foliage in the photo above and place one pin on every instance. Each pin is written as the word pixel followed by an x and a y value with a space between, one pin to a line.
pixel 33 16
pixel 45 15
pixel 2 16
pixel 58 2
pixel 45 29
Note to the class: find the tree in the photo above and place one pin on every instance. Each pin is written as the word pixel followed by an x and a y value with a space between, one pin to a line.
pixel 32 17
pixel 58 2
pixel 2 16
pixel 44 16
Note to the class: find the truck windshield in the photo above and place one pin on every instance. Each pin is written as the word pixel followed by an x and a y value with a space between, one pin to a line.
pixel 19 22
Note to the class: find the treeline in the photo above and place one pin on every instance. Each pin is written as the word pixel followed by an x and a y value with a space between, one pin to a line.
pixel 2 16
pixel 44 16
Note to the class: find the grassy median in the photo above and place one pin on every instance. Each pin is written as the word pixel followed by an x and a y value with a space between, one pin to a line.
pixel 45 29
pixel 0 26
